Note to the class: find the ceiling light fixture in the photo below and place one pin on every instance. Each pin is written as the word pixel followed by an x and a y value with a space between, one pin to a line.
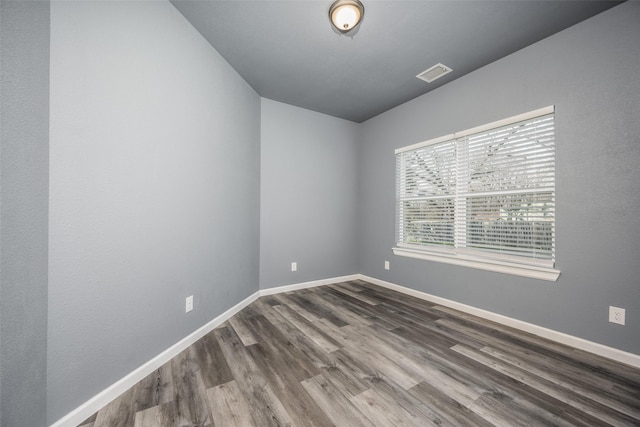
pixel 345 15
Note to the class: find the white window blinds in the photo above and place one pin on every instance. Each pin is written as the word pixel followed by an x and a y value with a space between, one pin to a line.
pixel 428 191
pixel 487 191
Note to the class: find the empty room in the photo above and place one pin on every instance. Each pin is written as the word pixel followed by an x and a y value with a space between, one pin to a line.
pixel 319 212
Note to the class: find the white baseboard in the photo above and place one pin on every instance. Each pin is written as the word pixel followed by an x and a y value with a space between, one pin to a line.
pixel 92 405
pixel 88 408
pixel 305 285
pixel 560 337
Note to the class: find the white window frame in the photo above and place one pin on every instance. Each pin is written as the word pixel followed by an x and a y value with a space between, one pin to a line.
pixel 459 254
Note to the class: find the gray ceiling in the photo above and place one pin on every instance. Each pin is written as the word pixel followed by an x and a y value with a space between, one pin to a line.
pixel 287 50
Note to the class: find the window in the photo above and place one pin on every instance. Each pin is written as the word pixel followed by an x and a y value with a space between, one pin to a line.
pixel 484 197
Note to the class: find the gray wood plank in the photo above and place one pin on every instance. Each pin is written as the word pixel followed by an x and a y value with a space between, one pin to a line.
pixel 157 416
pixel 89 421
pixel 279 345
pixel 285 300
pixel 244 332
pixel 119 413
pixel 316 355
pixel 266 408
pixel 349 375
pixel 337 304
pixel 410 403
pixel 338 408
pixel 384 412
pixel 366 311
pixel 352 285
pixel 301 407
pixel 450 410
pixel 382 364
pixel 150 417
pixel 214 369
pixel 316 309
pixel 229 406
pixel 357 295
pixel 325 342
pixel 155 389
pixel 191 406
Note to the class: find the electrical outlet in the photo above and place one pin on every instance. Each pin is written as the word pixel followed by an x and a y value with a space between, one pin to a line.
pixel 294 266
pixel 188 304
pixel 616 315
pixel 386 265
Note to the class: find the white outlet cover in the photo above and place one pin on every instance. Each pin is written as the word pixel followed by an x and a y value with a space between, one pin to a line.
pixel 616 315
pixel 188 304
pixel 386 265
pixel 294 266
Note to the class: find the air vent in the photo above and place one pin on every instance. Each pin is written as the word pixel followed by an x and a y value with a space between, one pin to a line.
pixel 434 72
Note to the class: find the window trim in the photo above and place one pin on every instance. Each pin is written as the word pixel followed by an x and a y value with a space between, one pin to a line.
pixel 526 267
pixel 524 270
pixel 498 123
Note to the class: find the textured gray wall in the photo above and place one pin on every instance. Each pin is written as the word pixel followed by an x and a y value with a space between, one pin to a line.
pixel 24 137
pixel 590 72
pixel 154 190
pixel 308 187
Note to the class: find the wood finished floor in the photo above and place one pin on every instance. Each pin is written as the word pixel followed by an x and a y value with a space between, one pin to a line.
pixel 354 354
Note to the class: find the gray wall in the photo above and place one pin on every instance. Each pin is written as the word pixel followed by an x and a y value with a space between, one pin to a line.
pixel 590 72
pixel 24 149
pixel 308 191
pixel 154 190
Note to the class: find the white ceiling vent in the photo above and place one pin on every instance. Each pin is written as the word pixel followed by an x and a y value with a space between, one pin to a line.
pixel 434 72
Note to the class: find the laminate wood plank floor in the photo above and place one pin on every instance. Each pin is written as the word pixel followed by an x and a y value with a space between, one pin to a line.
pixel 355 354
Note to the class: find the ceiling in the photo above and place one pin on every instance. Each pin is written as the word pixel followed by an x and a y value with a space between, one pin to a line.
pixel 288 51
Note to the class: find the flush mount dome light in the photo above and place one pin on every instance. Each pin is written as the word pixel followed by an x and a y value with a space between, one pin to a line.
pixel 345 15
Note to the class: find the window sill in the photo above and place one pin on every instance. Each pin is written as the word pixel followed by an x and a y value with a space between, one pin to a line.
pixel 516 269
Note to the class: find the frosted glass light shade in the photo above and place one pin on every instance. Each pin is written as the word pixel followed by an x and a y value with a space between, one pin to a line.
pixel 346 14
